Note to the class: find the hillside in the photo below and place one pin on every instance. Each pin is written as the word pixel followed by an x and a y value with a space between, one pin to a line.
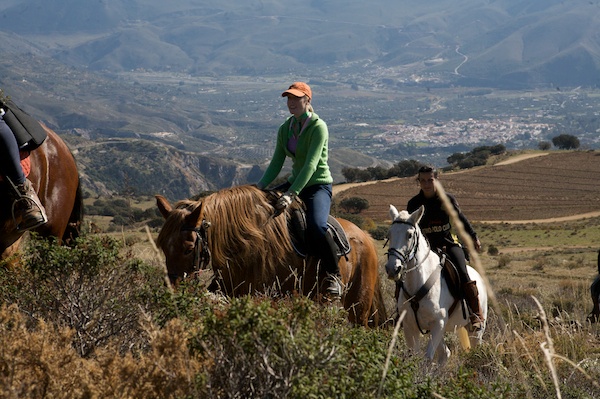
pixel 184 96
pixel 555 185
pixel 504 43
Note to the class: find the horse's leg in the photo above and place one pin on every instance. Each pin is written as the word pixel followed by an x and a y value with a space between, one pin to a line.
pixel 411 335
pixel 361 283
pixel 437 337
pixel 442 352
pixel 357 299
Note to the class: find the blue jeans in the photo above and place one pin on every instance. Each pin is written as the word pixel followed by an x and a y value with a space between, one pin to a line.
pixel 10 161
pixel 317 199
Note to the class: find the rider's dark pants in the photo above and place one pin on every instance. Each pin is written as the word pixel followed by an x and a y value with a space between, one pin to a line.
pixel 457 256
pixel 10 161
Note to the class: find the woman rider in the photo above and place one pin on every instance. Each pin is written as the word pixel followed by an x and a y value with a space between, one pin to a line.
pixel 304 138
pixel 28 210
pixel 435 224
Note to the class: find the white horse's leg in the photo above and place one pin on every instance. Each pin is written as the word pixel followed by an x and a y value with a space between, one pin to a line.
pixel 442 353
pixel 437 336
pixel 412 339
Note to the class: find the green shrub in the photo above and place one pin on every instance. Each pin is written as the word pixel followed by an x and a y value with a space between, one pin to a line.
pixel 89 288
pixel 492 250
pixel 379 233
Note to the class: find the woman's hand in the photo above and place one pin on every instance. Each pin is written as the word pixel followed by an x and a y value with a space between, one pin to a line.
pixel 284 201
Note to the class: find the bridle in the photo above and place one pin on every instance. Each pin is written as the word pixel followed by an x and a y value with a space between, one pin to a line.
pixel 201 250
pixel 415 298
pixel 410 254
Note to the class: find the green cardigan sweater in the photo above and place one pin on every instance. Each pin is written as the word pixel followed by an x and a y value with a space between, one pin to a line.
pixel 309 164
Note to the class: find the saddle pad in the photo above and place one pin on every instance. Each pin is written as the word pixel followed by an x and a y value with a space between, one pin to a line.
pixel 25 164
pixel 297 225
pixel 339 236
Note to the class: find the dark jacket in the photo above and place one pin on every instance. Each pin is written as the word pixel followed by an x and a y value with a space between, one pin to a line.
pixel 435 222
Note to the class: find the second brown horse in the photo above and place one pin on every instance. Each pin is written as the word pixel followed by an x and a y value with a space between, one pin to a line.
pixel 251 252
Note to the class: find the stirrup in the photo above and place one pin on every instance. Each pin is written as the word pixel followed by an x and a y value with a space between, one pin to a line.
pixel 476 322
pixel 333 288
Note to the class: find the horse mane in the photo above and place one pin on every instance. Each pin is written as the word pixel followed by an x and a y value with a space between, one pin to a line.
pixel 244 235
pixel 174 222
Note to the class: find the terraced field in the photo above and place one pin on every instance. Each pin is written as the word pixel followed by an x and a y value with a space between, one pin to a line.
pixel 558 184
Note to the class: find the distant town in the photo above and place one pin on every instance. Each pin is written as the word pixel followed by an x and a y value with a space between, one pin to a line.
pixel 470 132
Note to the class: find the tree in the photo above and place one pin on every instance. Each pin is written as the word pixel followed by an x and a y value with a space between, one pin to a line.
pixel 544 145
pixel 455 158
pixel 349 174
pixel 354 204
pixel 566 142
pixel 405 168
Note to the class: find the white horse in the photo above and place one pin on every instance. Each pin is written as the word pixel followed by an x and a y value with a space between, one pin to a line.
pixel 429 305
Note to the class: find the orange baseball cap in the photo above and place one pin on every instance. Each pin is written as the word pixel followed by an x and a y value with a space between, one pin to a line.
pixel 298 89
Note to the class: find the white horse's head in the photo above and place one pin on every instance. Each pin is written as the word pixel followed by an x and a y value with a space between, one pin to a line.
pixel 403 237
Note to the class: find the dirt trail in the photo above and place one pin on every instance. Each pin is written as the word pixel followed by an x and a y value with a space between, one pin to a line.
pixel 551 220
pixel 519 158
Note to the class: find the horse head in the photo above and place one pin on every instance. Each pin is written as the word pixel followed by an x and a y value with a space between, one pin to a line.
pixel 403 239
pixel 183 237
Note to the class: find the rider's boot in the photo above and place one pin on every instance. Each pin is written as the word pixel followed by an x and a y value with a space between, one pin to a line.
pixel 472 298
pixel 28 210
pixel 329 262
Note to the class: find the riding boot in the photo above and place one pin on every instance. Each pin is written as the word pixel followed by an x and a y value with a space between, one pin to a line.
pixel 472 298
pixel 329 263
pixel 28 211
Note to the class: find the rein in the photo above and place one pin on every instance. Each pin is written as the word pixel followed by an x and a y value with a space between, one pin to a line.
pixel 202 252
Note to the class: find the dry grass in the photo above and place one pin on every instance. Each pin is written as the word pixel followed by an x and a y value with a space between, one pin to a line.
pixel 537 343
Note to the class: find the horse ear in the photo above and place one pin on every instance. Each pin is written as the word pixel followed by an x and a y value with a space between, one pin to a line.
pixel 393 212
pixel 417 215
pixel 194 217
pixel 163 205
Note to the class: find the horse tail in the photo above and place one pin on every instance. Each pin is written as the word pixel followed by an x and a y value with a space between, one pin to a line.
pixel 378 311
pixel 72 231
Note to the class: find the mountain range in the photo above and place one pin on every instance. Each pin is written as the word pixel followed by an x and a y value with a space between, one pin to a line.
pixel 502 43
pixel 195 78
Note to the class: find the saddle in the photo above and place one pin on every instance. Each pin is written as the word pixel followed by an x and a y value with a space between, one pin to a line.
pixel 450 274
pixel 297 226
pixel 27 130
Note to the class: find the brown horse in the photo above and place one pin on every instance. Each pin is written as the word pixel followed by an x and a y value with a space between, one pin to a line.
pixel 251 251
pixel 54 176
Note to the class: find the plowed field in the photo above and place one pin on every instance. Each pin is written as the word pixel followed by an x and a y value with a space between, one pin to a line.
pixel 557 185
